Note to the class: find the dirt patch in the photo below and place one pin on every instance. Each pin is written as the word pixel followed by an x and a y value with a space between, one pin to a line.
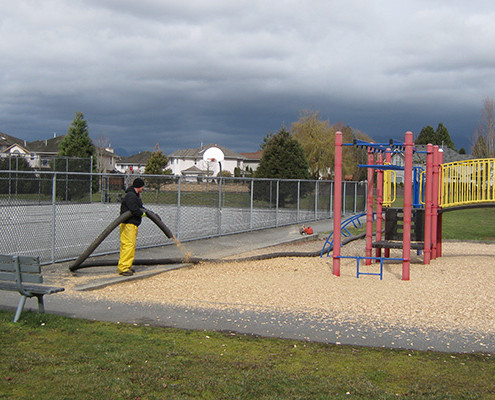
pixel 455 292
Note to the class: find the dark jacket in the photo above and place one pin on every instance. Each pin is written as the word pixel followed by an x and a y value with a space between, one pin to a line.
pixel 132 202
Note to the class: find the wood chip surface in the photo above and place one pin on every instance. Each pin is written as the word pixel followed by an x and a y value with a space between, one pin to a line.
pixel 453 293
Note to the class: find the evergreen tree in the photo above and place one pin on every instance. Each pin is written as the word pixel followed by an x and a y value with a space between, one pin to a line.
pixel 443 138
pixel 283 158
pixel 156 163
pixel 77 142
pixel 426 136
pixel 440 137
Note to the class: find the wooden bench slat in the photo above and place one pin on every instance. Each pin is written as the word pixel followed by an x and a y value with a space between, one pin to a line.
pixel 22 274
pixel 38 289
pixel 11 276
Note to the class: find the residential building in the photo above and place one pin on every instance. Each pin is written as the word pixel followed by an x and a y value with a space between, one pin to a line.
pixel 133 164
pixel 419 159
pixel 189 162
pixel 252 160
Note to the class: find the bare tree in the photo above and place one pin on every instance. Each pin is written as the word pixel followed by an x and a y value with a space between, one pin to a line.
pixel 101 143
pixel 484 136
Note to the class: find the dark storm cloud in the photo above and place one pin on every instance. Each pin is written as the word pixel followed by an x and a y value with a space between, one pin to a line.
pixel 182 73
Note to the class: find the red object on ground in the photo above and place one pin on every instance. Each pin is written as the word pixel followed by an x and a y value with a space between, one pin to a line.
pixel 309 230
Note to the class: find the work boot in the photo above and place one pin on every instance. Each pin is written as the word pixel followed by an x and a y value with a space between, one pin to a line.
pixel 127 273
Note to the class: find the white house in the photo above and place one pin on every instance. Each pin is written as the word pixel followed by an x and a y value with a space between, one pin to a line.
pixel 190 162
pixel 252 160
pixel 133 164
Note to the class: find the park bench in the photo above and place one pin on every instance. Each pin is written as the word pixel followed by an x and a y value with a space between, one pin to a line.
pixel 23 274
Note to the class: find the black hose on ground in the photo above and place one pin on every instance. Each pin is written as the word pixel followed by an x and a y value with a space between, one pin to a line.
pixel 197 260
pixel 122 218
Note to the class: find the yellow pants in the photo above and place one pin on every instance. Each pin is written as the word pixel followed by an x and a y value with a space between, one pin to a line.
pixel 128 237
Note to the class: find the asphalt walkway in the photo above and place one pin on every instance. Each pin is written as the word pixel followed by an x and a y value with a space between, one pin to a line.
pixel 267 324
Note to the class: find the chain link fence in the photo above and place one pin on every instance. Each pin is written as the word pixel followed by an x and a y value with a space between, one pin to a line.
pixel 56 215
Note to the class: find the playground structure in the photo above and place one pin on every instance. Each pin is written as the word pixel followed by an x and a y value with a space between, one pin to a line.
pixel 417 225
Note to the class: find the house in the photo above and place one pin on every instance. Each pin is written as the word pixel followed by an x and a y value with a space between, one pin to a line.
pixel 133 164
pixel 190 162
pixel 106 159
pixel 419 159
pixel 12 146
pixel 252 160
pixel 40 152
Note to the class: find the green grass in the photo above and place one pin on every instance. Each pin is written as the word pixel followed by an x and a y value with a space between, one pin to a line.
pixel 53 357
pixel 470 224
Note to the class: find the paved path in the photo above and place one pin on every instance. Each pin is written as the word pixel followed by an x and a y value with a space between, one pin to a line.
pixel 270 324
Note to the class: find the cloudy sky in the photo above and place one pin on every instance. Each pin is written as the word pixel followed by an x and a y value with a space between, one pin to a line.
pixel 179 73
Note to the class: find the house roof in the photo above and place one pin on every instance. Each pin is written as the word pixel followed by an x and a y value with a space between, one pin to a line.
pixel 46 146
pixel 140 158
pixel 7 140
pixel 198 152
pixel 256 156
pixel 449 155
pixel 193 170
pixel 9 149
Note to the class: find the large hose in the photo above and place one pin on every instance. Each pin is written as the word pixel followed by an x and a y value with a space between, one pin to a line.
pixel 197 260
pixel 122 218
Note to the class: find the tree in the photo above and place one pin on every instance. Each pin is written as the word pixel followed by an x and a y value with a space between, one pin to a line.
pixel 440 137
pixel 426 136
pixel 283 158
pixel 352 156
pixel 317 140
pixel 77 142
pixel 480 148
pixel 156 163
pixel 101 144
pixel 156 166
pixel 443 137
pixel 484 136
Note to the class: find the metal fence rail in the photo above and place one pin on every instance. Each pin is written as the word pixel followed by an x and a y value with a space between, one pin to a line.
pixel 56 215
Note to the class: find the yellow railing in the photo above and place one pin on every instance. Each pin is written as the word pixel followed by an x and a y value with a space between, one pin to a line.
pixel 467 182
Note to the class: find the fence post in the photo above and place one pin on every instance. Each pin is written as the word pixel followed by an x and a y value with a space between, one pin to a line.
pixel 298 216
pixel 317 186
pixel 251 204
pixel 219 205
pixel 54 210
pixel 276 204
pixel 91 179
pixel 355 197
pixel 178 207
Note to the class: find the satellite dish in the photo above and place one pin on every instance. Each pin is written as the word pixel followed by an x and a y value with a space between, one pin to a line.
pixel 213 154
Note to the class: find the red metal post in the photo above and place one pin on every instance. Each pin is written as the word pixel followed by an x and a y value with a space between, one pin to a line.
pixel 434 203
pixel 428 199
pixel 337 203
pixel 369 208
pixel 406 237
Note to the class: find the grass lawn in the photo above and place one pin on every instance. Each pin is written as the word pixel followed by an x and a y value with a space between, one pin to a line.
pixel 52 357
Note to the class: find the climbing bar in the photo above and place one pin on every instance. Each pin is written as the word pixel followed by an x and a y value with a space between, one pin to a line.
pixel 381 259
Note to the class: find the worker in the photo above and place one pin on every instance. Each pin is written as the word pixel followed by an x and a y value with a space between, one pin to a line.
pixel 129 229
